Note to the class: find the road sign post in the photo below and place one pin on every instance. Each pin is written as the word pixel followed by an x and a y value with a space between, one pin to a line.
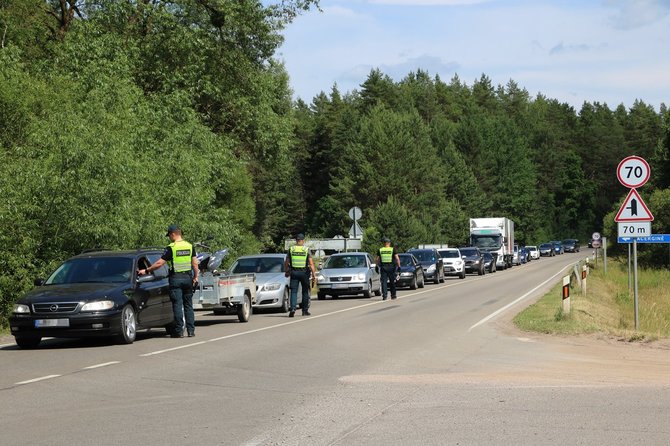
pixel 634 172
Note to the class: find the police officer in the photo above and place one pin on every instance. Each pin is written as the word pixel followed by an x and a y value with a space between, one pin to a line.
pixel 390 263
pixel 181 257
pixel 298 265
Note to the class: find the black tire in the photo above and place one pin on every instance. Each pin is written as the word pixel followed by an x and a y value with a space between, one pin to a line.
pixel 244 311
pixel 128 325
pixel 368 293
pixel 413 285
pixel 436 280
pixel 378 291
pixel 321 296
pixel 422 283
pixel 28 342
pixel 462 275
pixel 442 277
pixel 285 302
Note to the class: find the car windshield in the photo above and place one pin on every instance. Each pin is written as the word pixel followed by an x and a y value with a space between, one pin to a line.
pixel 545 246
pixel 531 248
pixel 405 260
pixel 569 242
pixel 345 261
pixel 486 241
pixel 448 254
pixel 468 252
pixel 258 265
pixel 424 255
pixel 487 256
pixel 93 270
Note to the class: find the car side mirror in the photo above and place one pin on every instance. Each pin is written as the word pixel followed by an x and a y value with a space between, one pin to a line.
pixel 373 265
pixel 39 281
pixel 146 278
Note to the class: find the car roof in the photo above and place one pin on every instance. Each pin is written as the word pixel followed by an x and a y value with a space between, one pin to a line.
pixel 269 255
pixel 348 253
pixel 447 249
pixel 129 253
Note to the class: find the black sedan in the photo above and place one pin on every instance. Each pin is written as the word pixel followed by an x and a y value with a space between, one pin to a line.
pixel 571 245
pixel 411 272
pixel 95 294
pixel 474 260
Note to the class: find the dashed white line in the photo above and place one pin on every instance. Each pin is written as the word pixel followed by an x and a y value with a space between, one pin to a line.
pixel 36 380
pixel 104 364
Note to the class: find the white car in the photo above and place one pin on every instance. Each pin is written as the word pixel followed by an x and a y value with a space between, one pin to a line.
pixel 453 262
pixel 534 252
pixel 272 286
pixel 349 273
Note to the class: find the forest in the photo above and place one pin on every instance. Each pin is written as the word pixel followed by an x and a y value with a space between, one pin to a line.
pixel 119 117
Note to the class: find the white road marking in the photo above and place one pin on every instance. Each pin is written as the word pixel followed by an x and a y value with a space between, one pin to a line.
pixel 36 380
pixel 104 364
pixel 299 320
pixel 511 304
pixel 6 345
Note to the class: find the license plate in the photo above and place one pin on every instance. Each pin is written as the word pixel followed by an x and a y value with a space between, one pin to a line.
pixel 40 323
pixel 340 285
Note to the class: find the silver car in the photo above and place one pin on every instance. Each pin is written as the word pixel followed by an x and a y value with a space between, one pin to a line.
pixel 349 273
pixel 272 286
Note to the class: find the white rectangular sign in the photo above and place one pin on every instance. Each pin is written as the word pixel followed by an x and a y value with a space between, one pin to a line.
pixel 635 229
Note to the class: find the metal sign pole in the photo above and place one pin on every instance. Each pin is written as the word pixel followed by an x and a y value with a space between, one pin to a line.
pixel 637 317
pixel 629 271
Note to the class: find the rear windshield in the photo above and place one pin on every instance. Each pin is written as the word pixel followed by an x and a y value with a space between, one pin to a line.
pixel 258 265
pixel 93 270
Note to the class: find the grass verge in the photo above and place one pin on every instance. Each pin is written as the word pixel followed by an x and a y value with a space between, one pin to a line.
pixel 607 307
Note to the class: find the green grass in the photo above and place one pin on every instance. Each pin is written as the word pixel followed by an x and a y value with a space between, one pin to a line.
pixel 607 307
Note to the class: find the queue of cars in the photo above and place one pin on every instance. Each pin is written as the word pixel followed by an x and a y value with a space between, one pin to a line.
pixel 100 293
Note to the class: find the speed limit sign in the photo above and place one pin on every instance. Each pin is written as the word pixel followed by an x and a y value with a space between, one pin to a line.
pixel 633 171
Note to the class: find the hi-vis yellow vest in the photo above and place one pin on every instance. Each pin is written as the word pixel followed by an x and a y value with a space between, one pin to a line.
pixel 182 252
pixel 298 256
pixel 386 254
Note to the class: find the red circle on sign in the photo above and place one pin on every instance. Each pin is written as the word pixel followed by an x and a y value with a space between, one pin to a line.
pixel 633 171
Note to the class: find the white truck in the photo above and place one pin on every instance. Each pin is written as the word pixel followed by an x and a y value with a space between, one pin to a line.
pixel 224 293
pixel 495 235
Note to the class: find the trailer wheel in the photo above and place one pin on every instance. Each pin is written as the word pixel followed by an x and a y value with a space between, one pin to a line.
pixel 244 310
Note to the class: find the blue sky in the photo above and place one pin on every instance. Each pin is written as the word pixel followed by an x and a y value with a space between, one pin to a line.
pixel 607 51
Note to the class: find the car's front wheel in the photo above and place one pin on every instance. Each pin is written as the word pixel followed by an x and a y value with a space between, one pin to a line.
pixel 368 293
pixel 28 342
pixel 285 301
pixel 128 325
pixel 413 285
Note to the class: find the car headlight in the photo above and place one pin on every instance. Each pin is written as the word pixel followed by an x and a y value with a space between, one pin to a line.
pixel 431 268
pixel 476 262
pixel 21 309
pixel 272 286
pixel 458 263
pixel 406 274
pixel 360 276
pixel 100 305
pixel 321 278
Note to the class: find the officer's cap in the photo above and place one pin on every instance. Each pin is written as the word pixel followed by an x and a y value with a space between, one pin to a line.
pixel 300 236
pixel 173 228
pixel 386 240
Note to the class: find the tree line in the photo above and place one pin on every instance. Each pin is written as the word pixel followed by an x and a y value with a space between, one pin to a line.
pixel 120 117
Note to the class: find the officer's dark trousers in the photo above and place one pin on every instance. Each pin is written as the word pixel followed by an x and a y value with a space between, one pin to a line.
pixel 300 278
pixel 181 295
pixel 388 280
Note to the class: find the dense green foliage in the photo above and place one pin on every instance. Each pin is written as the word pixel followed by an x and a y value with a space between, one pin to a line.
pixel 118 118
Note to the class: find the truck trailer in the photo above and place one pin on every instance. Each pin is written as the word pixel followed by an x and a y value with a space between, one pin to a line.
pixel 494 235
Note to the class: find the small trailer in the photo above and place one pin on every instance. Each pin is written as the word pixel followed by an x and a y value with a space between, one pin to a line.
pixel 224 294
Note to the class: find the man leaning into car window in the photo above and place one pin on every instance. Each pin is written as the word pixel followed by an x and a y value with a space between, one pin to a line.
pixel 180 255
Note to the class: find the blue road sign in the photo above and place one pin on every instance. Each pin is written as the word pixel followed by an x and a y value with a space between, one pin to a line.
pixel 654 238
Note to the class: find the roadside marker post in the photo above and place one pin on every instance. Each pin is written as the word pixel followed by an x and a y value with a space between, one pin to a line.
pixel 566 295
pixel 584 271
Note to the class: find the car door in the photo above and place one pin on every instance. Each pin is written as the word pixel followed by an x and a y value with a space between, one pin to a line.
pixel 374 273
pixel 152 296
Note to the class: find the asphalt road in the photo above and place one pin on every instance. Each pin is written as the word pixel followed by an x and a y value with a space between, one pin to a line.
pixel 438 366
